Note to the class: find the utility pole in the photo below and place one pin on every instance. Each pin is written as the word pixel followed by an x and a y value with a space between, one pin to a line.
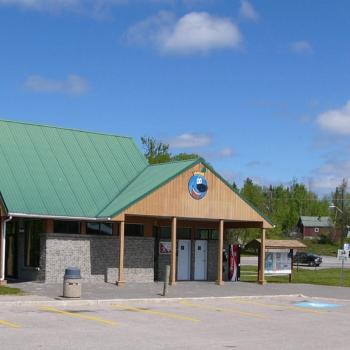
pixel 342 217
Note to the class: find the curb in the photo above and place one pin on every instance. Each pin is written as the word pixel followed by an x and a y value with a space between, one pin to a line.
pixel 93 302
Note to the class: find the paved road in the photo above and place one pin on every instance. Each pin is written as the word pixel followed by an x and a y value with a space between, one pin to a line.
pixel 219 323
pixel 327 262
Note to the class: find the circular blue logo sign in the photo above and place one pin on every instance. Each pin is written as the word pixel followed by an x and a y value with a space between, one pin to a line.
pixel 198 186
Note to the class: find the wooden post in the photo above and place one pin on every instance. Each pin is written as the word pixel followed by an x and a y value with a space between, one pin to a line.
pixel 220 249
pixel 262 257
pixel 173 253
pixel 2 253
pixel 121 281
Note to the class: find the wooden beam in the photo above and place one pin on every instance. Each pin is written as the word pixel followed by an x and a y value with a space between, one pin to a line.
pixel 219 280
pixel 48 226
pixel 262 257
pixel 121 280
pixel 173 252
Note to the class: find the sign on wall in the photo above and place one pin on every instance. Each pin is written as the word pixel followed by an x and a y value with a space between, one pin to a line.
pixel 164 247
pixel 278 261
pixel 198 185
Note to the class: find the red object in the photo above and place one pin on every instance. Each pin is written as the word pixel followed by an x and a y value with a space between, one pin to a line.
pixel 234 263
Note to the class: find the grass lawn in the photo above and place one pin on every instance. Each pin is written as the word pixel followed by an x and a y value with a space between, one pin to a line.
pixel 327 277
pixel 4 290
pixel 321 249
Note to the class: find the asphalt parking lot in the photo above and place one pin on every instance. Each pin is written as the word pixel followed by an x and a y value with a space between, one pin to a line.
pixel 204 323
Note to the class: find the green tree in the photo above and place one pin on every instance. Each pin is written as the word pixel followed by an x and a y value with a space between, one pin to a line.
pixel 155 151
pixel 184 156
pixel 159 152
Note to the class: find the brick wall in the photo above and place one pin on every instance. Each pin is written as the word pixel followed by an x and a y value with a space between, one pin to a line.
pixel 97 257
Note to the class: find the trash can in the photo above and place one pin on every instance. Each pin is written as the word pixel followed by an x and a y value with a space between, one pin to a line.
pixel 72 283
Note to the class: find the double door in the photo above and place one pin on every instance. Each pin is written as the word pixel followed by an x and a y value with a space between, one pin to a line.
pixel 184 260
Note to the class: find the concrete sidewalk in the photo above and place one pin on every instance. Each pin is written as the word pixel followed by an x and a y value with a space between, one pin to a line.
pixel 35 292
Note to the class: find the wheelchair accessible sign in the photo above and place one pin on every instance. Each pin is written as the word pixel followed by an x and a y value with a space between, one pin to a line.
pixel 343 254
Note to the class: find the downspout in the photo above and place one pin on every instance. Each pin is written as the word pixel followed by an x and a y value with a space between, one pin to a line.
pixel 3 248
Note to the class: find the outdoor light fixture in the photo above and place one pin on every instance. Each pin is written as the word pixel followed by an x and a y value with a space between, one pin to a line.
pixel 335 207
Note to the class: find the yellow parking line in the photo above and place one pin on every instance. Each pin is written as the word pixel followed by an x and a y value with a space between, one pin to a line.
pixel 214 308
pixel 9 324
pixel 158 313
pixel 78 315
pixel 273 306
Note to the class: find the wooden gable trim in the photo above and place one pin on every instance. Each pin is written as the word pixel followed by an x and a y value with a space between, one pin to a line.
pixel 174 200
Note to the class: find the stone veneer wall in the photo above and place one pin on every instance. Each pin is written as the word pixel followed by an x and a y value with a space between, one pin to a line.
pixel 97 257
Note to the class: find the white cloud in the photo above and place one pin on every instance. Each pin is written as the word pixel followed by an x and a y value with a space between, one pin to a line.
pixel 226 152
pixel 72 85
pixel 189 140
pixel 327 177
pixel 94 8
pixel 300 47
pixel 336 121
pixel 248 11
pixel 195 32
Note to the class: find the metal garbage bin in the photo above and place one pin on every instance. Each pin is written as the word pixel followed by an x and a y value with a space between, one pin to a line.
pixel 72 283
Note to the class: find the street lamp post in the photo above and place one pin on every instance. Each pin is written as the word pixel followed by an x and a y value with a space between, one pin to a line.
pixel 332 206
pixel 341 238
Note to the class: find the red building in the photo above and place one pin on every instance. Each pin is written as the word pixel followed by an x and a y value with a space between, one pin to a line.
pixel 315 226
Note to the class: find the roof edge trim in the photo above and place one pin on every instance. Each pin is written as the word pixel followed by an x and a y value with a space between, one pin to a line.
pixel 59 217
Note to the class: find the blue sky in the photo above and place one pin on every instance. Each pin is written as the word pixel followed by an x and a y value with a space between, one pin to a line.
pixel 259 88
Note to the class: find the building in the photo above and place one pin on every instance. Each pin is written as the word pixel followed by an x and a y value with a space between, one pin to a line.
pixel 75 198
pixel 315 226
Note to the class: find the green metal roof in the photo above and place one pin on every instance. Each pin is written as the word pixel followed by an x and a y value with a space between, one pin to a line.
pixel 62 172
pixel 55 172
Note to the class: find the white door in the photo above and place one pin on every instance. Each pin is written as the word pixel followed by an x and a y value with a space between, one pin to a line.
pixel 200 260
pixel 184 260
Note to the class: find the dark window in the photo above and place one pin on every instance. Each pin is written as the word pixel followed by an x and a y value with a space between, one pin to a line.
pixel 183 233
pixel 207 234
pixel 99 228
pixel 134 230
pixel 164 232
pixel 32 230
pixel 66 227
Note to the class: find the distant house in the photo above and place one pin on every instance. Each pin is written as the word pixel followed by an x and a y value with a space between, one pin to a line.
pixel 315 226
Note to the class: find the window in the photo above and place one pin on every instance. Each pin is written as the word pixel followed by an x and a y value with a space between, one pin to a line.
pixel 99 228
pixel 207 234
pixel 72 227
pixel 134 230
pixel 165 232
pixel 32 230
pixel 181 233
